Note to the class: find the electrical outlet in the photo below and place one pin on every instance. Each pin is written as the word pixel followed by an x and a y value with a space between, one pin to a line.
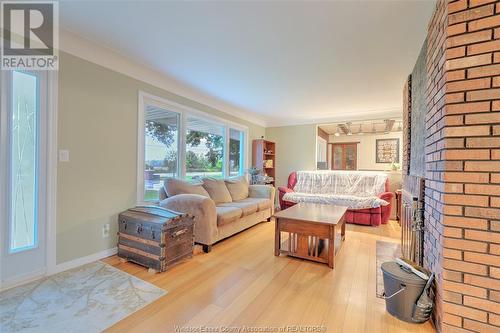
pixel 105 230
pixel 63 155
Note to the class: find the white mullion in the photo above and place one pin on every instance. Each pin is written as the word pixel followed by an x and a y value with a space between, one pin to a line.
pixel 4 158
pixel 140 149
pixel 181 151
pixel 225 153
pixel 51 211
pixel 41 156
pixel 242 153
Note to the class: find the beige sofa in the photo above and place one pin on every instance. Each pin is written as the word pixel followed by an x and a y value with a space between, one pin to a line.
pixel 221 207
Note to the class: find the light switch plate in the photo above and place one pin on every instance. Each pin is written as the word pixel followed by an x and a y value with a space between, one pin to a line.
pixel 63 155
pixel 105 230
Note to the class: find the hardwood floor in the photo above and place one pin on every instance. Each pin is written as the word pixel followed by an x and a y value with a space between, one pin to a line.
pixel 241 283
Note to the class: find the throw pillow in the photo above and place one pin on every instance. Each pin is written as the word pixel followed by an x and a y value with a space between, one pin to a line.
pixel 217 190
pixel 238 187
pixel 176 186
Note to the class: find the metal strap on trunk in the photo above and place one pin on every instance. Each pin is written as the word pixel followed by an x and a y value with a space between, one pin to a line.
pixel 140 252
pixel 140 240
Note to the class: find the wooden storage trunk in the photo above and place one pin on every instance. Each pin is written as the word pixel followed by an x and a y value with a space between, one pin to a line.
pixel 155 237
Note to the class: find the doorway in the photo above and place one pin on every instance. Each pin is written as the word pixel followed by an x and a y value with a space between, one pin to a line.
pixel 24 176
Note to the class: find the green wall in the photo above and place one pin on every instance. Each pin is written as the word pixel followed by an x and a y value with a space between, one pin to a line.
pixel 295 149
pixel 97 123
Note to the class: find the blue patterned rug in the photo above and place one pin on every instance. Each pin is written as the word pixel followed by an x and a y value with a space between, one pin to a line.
pixel 86 299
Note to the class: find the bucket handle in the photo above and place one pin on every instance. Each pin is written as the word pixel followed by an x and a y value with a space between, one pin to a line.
pixel 397 292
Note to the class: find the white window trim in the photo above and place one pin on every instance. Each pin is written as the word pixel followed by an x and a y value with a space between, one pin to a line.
pixel 184 112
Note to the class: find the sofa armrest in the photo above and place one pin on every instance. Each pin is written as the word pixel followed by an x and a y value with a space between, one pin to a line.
pixel 262 191
pixel 387 196
pixel 283 189
pixel 203 210
pixel 386 210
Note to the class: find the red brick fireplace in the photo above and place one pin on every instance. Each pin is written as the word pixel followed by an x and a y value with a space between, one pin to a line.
pixel 461 128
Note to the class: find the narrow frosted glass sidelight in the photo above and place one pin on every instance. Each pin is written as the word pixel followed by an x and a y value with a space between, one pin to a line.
pixel 23 161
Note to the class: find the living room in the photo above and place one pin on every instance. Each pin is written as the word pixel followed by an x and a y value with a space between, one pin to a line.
pixel 250 166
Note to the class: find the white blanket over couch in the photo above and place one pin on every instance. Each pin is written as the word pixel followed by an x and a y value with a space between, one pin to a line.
pixel 354 189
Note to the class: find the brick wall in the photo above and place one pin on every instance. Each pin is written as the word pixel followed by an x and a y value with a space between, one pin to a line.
pixel 434 143
pixel 407 126
pixel 462 243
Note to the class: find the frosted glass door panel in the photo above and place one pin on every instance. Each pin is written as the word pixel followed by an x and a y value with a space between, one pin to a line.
pixel 23 161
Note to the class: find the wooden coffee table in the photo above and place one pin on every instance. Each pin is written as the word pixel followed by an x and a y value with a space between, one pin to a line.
pixel 311 231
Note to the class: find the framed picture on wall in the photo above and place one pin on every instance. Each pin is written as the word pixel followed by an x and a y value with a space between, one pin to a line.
pixel 387 150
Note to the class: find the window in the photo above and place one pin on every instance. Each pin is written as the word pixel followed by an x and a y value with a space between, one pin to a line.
pixel 177 141
pixel 23 161
pixel 235 152
pixel 161 151
pixel 204 149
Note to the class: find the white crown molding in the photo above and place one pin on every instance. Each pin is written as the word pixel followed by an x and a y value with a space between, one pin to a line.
pixel 109 58
pixel 341 118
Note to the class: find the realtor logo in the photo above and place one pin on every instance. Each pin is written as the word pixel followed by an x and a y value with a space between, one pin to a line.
pixel 30 35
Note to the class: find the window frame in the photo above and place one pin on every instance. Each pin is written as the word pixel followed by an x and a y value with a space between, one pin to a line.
pixel 243 159
pixel 184 112
pixel 224 139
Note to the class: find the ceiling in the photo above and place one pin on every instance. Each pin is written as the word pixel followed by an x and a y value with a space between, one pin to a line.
pixel 364 127
pixel 284 62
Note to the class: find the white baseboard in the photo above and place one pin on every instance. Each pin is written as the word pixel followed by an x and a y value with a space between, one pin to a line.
pixel 22 279
pixel 82 261
pixel 26 278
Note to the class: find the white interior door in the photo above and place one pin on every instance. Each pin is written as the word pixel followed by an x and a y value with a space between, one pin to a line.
pixel 321 149
pixel 23 174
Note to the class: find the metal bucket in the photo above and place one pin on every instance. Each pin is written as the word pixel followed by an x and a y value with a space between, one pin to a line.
pixel 401 290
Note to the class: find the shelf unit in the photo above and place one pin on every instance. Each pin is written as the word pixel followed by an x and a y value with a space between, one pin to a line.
pixel 263 150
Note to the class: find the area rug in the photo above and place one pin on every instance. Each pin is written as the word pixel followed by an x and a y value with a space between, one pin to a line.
pixel 86 299
pixel 386 251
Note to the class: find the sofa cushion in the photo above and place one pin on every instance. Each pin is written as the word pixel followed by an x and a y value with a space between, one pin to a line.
pixel 217 190
pixel 227 214
pixel 262 203
pixel 238 187
pixel 247 207
pixel 174 186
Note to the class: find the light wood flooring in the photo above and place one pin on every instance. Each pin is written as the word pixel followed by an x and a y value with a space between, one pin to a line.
pixel 241 283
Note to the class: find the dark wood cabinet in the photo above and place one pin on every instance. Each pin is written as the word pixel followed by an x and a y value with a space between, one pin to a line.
pixel 345 156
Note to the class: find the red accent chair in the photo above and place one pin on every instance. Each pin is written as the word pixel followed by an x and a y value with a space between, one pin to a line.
pixel 369 216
